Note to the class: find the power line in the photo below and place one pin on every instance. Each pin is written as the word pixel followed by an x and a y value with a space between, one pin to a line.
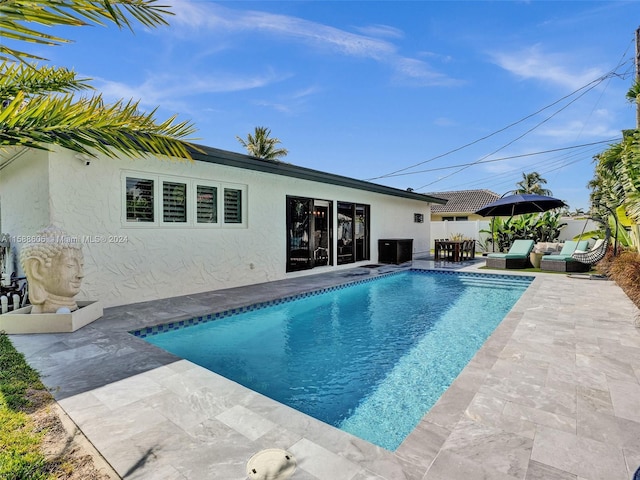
pixel 592 85
pixel 502 159
pixel 511 176
pixel 588 86
pixel 553 163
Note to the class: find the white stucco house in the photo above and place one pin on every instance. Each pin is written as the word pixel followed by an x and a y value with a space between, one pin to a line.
pixel 154 228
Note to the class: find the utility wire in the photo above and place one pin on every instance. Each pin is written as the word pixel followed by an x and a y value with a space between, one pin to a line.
pixel 592 85
pixel 547 171
pixel 589 86
pixel 502 159
pixel 542 166
pixel 557 163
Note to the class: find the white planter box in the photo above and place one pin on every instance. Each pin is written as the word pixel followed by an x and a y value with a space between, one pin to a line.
pixel 22 321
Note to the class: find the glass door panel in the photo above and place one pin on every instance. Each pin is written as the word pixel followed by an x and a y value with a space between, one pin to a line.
pixel 361 233
pixel 321 233
pixel 345 233
pixel 299 233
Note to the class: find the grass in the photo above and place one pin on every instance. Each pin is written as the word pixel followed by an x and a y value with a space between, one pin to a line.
pixel 20 452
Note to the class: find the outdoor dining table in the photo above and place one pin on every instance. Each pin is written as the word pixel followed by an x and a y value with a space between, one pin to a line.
pixel 453 249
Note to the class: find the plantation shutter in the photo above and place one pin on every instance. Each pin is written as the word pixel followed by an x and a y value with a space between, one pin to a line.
pixel 232 205
pixel 207 204
pixel 139 200
pixel 174 202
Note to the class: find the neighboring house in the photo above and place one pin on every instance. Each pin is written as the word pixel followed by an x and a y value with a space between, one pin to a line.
pixel 461 205
pixel 155 229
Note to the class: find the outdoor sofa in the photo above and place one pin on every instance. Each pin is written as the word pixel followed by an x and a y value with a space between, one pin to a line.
pixel 516 257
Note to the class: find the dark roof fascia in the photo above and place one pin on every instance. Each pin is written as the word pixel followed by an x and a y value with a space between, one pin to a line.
pixel 238 160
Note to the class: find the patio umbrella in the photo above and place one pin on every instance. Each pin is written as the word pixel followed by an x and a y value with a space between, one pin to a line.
pixel 519 204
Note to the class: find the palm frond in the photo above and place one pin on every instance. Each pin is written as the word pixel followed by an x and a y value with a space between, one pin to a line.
pixel 14 14
pixel 33 79
pixel 633 94
pixel 89 126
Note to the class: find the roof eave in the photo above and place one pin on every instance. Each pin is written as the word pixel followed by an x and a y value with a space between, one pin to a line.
pixel 238 160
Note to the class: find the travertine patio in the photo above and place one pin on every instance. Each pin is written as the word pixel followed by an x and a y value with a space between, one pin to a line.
pixel 553 394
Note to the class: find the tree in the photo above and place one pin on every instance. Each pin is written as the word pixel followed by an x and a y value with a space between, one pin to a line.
pixel 260 145
pixel 606 186
pixel 532 183
pixel 616 185
pixel 633 96
pixel 616 181
pixel 37 103
pixel 578 212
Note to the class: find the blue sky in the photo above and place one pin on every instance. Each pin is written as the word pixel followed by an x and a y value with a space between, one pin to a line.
pixel 404 93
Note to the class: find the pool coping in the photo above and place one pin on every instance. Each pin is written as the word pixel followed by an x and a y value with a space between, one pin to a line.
pixel 140 382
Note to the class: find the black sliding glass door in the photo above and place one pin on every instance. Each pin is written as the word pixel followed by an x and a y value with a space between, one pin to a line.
pixel 308 233
pixel 353 232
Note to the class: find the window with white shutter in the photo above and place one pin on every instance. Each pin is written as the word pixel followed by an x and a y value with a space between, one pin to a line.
pixel 174 202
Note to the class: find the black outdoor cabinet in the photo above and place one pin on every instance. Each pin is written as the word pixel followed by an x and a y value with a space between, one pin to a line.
pixel 395 250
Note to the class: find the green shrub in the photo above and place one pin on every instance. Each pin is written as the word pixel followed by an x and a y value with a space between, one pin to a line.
pixel 539 227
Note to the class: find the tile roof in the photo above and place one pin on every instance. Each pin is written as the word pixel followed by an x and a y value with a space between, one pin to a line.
pixel 467 201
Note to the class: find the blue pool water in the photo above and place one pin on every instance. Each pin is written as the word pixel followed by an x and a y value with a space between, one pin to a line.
pixel 371 358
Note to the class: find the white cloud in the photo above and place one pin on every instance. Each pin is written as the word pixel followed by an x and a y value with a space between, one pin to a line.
pixel 533 63
pixel 279 107
pixel 416 72
pixel 514 163
pixel 577 129
pixel 205 18
pixel 445 122
pixel 437 56
pixel 381 31
pixel 165 88
pixel 211 17
pixel 291 103
pixel 305 92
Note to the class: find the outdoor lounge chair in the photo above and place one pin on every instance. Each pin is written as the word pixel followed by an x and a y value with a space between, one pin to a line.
pixel 593 256
pixel 563 261
pixel 516 257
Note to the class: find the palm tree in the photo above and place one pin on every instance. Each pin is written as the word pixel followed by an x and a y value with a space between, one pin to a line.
pixel 532 183
pixel 578 212
pixel 633 96
pixel 37 103
pixel 616 182
pixel 606 186
pixel 260 145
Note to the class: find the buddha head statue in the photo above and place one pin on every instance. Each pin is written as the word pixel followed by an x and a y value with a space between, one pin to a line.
pixel 53 265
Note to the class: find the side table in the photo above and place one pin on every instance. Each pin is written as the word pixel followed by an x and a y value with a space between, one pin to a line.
pixel 535 258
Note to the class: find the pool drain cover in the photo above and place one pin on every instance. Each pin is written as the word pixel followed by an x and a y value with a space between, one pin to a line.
pixel 271 464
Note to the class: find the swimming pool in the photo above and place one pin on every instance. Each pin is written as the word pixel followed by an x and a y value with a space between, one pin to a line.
pixel 370 358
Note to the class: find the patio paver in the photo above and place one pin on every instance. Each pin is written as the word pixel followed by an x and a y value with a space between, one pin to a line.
pixel 553 394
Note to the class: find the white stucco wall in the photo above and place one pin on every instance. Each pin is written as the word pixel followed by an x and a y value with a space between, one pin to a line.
pixel 24 195
pixel 150 262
